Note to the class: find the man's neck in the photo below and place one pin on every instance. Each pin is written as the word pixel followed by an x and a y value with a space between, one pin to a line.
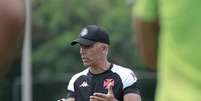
pixel 100 68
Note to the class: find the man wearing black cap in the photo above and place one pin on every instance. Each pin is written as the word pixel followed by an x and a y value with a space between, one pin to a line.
pixel 102 80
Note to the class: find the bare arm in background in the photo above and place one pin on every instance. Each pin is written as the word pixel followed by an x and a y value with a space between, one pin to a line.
pixel 11 28
pixel 147 38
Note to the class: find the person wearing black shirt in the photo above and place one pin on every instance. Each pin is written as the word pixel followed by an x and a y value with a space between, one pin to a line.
pixel 101 80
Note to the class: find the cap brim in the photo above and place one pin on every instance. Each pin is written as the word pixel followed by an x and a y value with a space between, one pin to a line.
pixel 82 41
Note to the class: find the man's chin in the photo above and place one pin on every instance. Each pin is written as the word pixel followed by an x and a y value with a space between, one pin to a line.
pixel 86 64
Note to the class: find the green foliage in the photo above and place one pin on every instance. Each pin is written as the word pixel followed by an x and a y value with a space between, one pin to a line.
pixel 57 22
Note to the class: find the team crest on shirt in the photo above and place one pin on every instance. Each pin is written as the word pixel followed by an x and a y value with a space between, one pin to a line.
pixel 107 82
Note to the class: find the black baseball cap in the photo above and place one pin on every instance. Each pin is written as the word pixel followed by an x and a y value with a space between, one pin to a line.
pixel 92 34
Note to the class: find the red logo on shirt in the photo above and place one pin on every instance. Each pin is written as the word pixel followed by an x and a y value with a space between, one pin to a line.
pixel 106 83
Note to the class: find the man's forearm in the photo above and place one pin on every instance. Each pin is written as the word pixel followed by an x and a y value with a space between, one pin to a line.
pixel 132 97
pixel 68 99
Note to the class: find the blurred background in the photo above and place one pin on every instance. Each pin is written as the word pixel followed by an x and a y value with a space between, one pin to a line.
pixel 55 23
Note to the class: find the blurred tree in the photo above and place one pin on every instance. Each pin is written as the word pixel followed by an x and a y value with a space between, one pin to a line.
pixel 57 22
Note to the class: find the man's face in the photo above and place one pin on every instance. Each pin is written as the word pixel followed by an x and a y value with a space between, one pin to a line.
pixel 90 54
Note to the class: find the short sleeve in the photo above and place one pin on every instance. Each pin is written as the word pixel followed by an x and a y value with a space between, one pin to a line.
pixel 70 94
pixel 71 85
pixel 134 88
pixel 146 9
pixel 130 83
pixel 129 79
pixel 71 82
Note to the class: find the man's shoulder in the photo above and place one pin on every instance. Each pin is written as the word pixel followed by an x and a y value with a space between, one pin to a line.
pixel 127 75
pixel 77 75
pixel 120 69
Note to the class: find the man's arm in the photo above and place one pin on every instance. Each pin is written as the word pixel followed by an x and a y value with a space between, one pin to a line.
pixel 132 97
pixel 70 96
pixel 147 39
pixel 68 99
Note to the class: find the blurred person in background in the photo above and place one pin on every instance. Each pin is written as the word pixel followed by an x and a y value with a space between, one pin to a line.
pixel 11 29
pixel 102 80
pixel 169 34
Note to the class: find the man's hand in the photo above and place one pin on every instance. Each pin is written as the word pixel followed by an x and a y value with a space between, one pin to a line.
pixel 62 99
pixel 69 99
pixel 104 97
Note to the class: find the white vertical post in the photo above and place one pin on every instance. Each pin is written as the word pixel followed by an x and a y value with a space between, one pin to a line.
pixel 26 56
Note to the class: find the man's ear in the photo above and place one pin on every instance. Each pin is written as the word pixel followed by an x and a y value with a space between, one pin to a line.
pixel 104 47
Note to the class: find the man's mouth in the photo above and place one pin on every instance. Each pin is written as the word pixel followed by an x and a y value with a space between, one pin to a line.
pixel 84 59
